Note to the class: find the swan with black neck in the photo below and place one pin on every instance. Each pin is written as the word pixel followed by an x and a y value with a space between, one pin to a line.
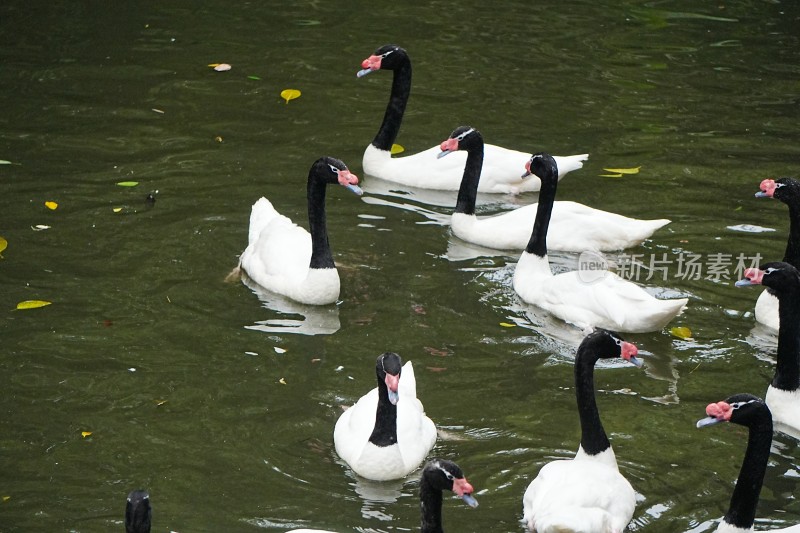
pixel 574 227
pixel 424 169
pixel 602 299
pixel 587 493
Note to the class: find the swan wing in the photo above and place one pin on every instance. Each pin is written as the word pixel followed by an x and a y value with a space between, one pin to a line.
pixel 354 426
pixel 767 310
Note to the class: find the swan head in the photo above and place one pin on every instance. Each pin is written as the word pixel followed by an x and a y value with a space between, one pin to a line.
pixel 787 190
pixel 442 474
pixel 386 57
pixel 333 170
pixel 743 409
pixel 608 345
pixel 543 166
pixel 783 278
pixel 462 138
pixel 388 368
pixel 138 512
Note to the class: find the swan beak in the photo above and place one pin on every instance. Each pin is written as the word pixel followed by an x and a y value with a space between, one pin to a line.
pixel 761 194
pixel 527 170
pixel 638 363
pixel 363 72
pixel 355 188
pixel 744 283
pixel 394 396
pixel 469 500
pixel 443 153
pixel 708 421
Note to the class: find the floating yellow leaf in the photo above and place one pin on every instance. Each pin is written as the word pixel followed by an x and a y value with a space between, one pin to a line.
pixel 158 110
pixel 212 65
pixel 610 175
pixel 290 94
pixel 85 434
pixel 127 183
pixel 32 304
pixel 507 325
pixel 682 332
pixel 633 170
pixel 6 498
pixel 51 205
pixel 159 403
pixel 282 381
pixel 116 209
pixel 3 245
pixel 397 149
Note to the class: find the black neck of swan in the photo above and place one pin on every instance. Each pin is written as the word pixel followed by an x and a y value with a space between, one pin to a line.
pixel 468 191
pixel 321 256
pixel 792 254
pixel 401 89
pixel 787 369
pixel 593 437
pixel 430 501
pixel 742 510
pixel 385 431
pixel 547 195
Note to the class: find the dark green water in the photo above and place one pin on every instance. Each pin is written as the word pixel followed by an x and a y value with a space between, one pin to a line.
pixel 175 373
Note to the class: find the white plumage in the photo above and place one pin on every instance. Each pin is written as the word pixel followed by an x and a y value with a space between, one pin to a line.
pixel 416 434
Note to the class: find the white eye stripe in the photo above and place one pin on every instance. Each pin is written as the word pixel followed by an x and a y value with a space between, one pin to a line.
pixel 770 270
pixel 463 135
pixel 385 54
pixel 333 169
pixel 737 405
pixel 778 185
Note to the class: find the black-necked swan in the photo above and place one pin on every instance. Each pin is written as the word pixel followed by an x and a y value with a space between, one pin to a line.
pixel 783 393
pixel 587 493
pixel 437 476
pixel 574 227
pixel 386 434
pixel 787 190
pixel 138 513
pixel 601 300
pixel 752 413
pixel 424 169
pixel 286 259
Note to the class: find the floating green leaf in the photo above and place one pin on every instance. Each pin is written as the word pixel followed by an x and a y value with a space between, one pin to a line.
pixel 254 78
pixel 634 170
pixel 397 149
pixel 682 332
pixel 507 325
pixel 127 183
pixel 290 94
pixel 4 162
pixel 610 175
pixel 32 304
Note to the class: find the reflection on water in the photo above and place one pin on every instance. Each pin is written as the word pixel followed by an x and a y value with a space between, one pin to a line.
pixel 294 317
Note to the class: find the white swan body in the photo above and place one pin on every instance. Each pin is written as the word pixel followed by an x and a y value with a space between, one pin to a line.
pixel 501 169
pixel 574 227
pixel 767 310
pixel 416 434
pixel 584 298
pixel 609 302
pixel 423 169
pixel 278 257
pixel 586 494
pixel 579 495
pixel 282 257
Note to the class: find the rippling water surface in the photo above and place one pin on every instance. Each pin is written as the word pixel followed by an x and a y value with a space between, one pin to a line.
pixel 220 399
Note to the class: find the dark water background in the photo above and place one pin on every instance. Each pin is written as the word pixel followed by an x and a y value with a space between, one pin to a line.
pixel 175 373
